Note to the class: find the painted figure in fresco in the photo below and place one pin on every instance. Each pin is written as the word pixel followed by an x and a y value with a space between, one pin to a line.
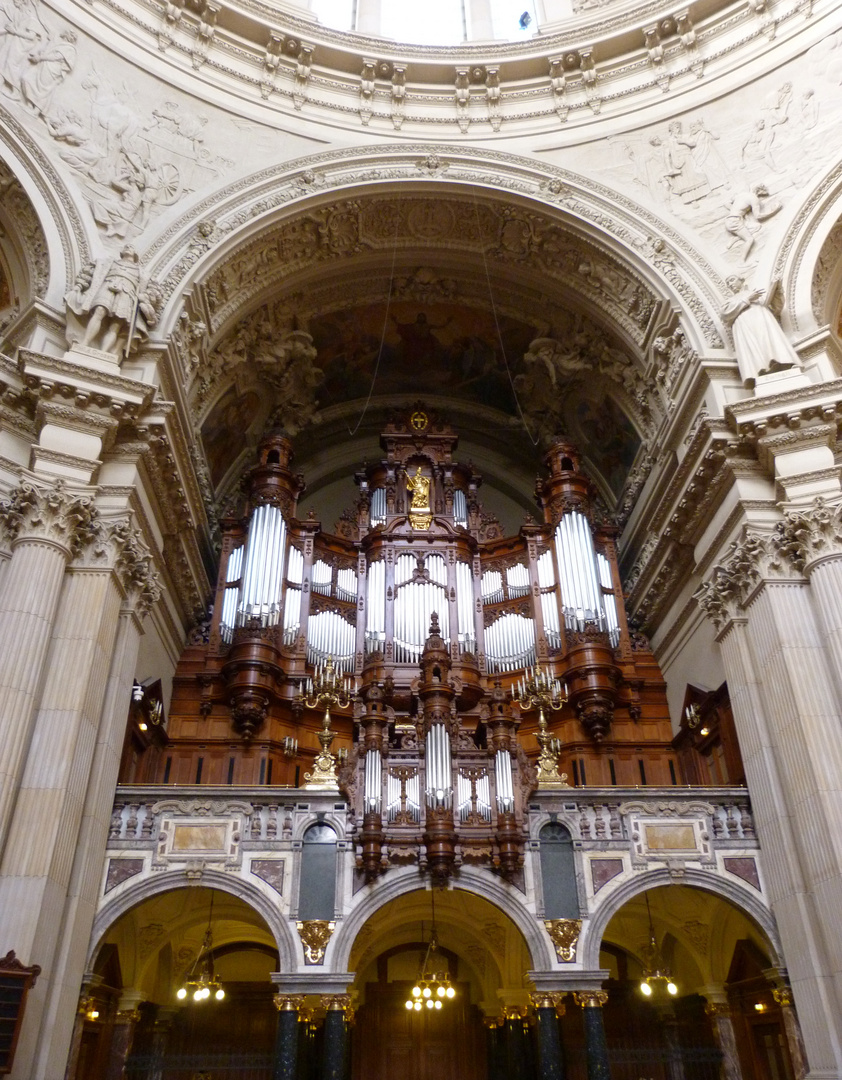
pixel 419 344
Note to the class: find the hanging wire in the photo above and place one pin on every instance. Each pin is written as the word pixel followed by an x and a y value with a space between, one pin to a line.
pixel 383 332
pixel 532 438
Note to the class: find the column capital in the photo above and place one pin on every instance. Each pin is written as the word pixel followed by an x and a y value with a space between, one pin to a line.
pixel 288 1002
pixel 49 512
pixel 808 534
pixel 717 1008
pixel 549 1000
pixel 338 1003
pixel 590 999
pixel 783 996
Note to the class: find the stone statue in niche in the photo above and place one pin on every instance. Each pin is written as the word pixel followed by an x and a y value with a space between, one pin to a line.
pixel 110 305
pixel 759 341
pixel 747 212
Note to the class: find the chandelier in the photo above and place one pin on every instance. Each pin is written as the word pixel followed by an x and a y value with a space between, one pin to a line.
pixel 656 973
pixel 202 982
pixel 432 987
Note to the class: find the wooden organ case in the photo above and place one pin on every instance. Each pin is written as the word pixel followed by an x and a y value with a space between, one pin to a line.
pixel 435 622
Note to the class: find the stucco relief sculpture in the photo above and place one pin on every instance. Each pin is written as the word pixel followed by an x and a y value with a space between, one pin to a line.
pixel 759 341
pixel 748 210
pixel 110 305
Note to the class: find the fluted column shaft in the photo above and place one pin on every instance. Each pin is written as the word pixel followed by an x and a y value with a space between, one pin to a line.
pixel 37 865
pixel 28 602
pixel 803 711
pixel 86 876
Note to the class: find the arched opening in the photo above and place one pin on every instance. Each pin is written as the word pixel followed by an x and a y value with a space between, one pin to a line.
pixel 486 958
pixel 133 1015
pixel 725 1016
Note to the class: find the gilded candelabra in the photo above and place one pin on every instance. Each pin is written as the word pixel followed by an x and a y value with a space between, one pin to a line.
pixel 539 690
pixel 333 691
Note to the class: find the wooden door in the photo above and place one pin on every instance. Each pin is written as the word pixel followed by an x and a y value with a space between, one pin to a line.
pixel 392 1043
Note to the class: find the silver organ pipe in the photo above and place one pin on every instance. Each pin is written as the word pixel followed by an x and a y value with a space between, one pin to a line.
pixel 504 781
pixel 549 599
pixel 373 782
pixel 375 634
pixel 517 580
pixel 321 578
pixel 460 508
pixel 393 797
pixel 465 608
pixel 608 599
pixel 292 601
pixel 378 507
pixel 346 584
pixel 492 587
pixel 467 795
pixel 233 573
pixel 329 634
pixel 439 771
pixel 510 643
pixel 580 586
pixel 415 601
pixel 260 592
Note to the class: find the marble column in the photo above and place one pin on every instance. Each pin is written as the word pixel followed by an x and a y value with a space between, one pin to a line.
pixel 722 1023
pixel 495 1049
pixel 792 1029
pixel 548 1009
pixel 786 708
pixel 122 1036
pixel 335 1057
pixel 86 1003
pixel 517 1054
pixel 369 16
pixel 49 883
pixel 46 522
pixel 480 24
pixel 286 1041
pixel 596 1047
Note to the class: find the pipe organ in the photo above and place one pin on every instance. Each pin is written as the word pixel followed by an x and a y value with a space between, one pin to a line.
pixel 434 616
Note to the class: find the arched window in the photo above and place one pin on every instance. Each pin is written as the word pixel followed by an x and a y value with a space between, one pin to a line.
pixel 561 900
pixel 317 888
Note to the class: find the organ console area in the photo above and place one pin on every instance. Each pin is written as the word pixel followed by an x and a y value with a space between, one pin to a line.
pixel 436 630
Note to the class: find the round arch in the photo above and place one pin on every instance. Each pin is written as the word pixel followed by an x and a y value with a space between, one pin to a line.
pixel 149 887
pixel 645 246
pixel 59 232
pixel 751 906
pixel 505 897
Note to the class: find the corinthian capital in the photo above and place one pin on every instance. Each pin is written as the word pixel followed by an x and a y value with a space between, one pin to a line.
pixel 809 533
pixel 747 562
pixel 135 566
pixel 51 513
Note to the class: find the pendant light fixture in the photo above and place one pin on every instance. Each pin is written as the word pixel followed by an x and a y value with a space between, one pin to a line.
pixel 202 982
pixel 656 974
pixel 433 986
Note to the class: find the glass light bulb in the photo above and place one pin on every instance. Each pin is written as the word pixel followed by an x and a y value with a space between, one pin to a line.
pixel 410 1004
pixel 182 994
pixel 417 1006
pixel 416 991
pixel 197 995
pixel 441 991
pixel 427 992
pixel 450 992
pixel 437 1004
pixel 672 988
pixel 220 994
pixel 646 989
pixel 430 1003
